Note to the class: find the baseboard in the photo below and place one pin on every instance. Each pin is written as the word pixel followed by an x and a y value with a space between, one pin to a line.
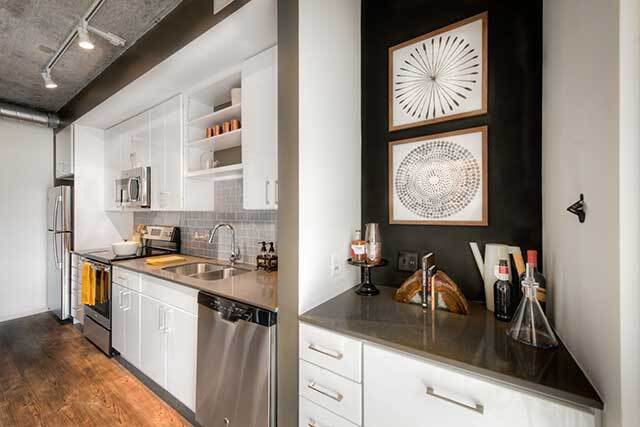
pixel 6 318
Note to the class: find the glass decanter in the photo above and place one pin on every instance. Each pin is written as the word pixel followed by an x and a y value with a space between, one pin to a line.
pixel 529 325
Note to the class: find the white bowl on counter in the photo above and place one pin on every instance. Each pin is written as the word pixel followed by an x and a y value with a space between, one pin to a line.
pixel 125 248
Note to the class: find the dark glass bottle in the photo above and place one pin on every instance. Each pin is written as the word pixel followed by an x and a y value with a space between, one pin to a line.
pixel 541 291
pixel 502 294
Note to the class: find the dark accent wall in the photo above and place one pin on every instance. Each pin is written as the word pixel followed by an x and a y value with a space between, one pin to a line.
pixel 514 120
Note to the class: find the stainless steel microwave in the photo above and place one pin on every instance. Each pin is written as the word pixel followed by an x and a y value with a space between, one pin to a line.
pixel 133 188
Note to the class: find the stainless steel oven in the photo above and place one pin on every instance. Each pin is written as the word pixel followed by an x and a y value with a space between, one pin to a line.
pixel 133 188
pixel 97 319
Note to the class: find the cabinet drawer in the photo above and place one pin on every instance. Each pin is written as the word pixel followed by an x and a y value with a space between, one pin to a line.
pixel 126 278
pixel 170 293
pixel 398 387
pixel 331 391
pixel 312 415
pixel 335 352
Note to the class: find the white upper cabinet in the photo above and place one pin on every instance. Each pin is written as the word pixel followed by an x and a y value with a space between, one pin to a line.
pixel 112 168
pixel 136 143
pixel 150 139
pixel 260 130
pixel 166 172
pixel 64 152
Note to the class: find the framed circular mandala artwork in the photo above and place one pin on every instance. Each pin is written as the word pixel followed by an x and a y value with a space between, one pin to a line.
pixel 439 76
pixel 439 179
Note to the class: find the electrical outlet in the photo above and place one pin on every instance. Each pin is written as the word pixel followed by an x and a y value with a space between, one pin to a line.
pixel 336 265
pixel 408 261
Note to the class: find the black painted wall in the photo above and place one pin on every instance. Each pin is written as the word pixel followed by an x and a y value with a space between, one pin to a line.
pixel 514 120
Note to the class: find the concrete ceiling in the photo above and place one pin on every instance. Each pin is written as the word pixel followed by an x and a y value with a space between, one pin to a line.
pixel 31 31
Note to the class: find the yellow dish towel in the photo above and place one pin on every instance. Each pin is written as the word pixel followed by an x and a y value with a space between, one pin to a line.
pixel 88 284
pixel 166 259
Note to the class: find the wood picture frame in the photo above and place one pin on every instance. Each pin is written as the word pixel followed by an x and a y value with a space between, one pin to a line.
pixel 481 214
pixel 455 91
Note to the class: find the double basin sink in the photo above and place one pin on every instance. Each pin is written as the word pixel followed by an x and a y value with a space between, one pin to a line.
pixel 206 270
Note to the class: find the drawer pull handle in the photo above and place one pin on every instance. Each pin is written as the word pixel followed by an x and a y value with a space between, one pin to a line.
pixel 477 408
pixel 326 392
pixel 326 352
pixel 124 279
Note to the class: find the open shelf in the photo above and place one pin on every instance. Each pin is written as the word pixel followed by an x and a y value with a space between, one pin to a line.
pixel 217 117
pixel 219 142
pixel 220 173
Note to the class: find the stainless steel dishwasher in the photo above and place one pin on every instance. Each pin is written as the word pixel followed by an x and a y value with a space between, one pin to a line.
pixel 236 364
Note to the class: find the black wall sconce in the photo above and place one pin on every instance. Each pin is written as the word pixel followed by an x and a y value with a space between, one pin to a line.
pixel 578 209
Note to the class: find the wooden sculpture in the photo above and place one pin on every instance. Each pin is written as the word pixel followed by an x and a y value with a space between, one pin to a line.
pixel 449 298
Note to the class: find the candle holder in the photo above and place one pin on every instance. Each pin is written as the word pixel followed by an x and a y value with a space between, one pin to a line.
pixel 366 287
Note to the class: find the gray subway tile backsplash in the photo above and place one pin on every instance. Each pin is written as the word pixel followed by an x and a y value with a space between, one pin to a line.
pixel 251 226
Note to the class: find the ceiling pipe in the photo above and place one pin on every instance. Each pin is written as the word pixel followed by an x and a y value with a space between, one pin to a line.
pixel 26 114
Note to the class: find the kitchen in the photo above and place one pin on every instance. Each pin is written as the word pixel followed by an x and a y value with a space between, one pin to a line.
pixel 207 181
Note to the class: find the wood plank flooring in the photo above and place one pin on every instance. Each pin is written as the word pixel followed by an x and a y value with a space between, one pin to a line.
pixel 50 375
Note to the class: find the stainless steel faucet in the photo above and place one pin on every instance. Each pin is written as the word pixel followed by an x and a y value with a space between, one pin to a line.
pixel 235 251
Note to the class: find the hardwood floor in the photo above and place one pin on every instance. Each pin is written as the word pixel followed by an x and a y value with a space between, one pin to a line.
pixel 50 375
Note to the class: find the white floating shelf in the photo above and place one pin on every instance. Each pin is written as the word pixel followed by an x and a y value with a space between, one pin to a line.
pixel 220 173
pixel 217 117
pixel 219 142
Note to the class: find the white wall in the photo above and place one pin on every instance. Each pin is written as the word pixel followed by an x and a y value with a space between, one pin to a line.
pixel 580 155
pixel 26 171
pixel 629 160
pixel 329 145
pixel 93 227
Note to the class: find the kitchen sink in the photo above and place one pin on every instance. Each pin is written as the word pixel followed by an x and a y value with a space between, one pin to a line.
pixel 206 270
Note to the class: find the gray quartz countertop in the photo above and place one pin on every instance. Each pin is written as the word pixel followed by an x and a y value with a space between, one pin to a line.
pixel 476 343
pixel 257 288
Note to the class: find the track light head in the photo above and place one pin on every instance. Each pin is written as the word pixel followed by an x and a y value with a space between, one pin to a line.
pixel 84 41
pixel 48 81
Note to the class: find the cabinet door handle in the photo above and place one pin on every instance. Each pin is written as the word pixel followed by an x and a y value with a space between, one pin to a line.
pixel 477 408
pixel 331 353
pixel 167 319
pixel 120 299
pixel 277 192
pixel 266 192
pixel 127 294
pixel 161 318
pixel 325 391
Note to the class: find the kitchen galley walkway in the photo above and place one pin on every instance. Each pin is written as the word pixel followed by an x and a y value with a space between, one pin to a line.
pixel 50 375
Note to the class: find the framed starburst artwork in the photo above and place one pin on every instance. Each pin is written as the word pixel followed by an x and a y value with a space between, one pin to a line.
pixel 439 76
pixel 439 179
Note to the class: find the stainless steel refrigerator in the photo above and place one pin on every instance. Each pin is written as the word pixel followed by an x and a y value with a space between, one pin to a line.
pixel 59 243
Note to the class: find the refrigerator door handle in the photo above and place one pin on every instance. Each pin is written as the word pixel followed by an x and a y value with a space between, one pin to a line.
pixel 55 213
pixel 55 251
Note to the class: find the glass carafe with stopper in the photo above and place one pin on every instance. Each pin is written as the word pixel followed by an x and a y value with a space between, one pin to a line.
pixel 529 325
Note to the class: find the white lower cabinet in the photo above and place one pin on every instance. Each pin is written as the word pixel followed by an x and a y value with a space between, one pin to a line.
pixel 312 415
pixel 125 323
pixel 154 344
pixel 403 391
pixel 338 394
pixel 157 337
pixel 182 336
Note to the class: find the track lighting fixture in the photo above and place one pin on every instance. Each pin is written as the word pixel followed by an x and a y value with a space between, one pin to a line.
pixel 81 32
pixel 84 41
pixel 48 81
